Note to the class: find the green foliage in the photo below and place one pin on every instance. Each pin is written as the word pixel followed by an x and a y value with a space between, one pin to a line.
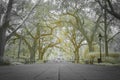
pixel 85 53
pixel 113 58
pixel 114 55
pixel 47 28
pixel 5 61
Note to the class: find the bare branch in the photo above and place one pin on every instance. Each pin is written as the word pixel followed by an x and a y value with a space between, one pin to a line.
pixel 20 25
pixel 113 36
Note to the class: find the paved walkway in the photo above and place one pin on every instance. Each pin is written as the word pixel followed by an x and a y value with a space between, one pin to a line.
pixel 51 71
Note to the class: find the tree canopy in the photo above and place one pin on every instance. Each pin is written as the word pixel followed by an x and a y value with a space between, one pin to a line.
pixel 34 30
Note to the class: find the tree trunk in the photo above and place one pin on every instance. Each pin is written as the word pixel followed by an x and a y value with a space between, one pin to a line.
pixel 5 24
pixel 19 48
pixel 2 41
pixel 90 45
pixel 41 56
pixel 105 27
pixel 77 56
pixel 33 51
pixel 32 56
pixel 106 46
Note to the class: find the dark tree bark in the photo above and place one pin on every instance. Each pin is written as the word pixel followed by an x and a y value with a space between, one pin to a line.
pixel 41 55
pixel 19 48
pixel 4 26
pixel 90 45
pixel 110 8
pixel 106 29
pixel 2 41
pixel 32 56
pixel 77 55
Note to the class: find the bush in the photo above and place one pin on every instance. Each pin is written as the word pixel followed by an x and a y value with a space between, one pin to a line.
pixel 91 58
pixel 26 61
pixel 113 58
pixel 114 55
pixel 5 61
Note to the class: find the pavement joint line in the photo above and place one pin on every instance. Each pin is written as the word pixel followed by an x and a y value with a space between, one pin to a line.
pixel 76 73
pixel 58 73
pixel 35 77
pixel 4 74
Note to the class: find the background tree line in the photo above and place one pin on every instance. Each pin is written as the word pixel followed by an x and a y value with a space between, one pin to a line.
pixel 30 29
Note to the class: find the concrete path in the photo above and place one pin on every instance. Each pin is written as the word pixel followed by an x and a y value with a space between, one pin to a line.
pixel 61 71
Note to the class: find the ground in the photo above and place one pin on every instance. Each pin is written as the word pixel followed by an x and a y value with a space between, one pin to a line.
pixel 59 71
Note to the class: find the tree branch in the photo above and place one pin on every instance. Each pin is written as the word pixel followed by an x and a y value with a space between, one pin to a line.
pixel 112 12
pixel 113 36
pixel 20 25
pixel 6 16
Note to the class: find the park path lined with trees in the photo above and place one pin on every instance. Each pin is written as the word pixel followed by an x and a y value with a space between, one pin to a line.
pixel 62 71
pixel 32 31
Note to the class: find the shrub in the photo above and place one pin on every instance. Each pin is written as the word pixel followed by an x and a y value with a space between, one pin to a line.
pixel 27 61
pixel 114 55
pixel 113 58
pixel 5 61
